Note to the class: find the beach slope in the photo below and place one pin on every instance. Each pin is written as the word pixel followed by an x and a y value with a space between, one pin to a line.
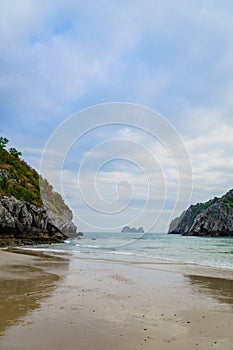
pixel 107 304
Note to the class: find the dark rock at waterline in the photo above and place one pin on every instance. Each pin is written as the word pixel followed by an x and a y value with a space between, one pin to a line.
pixel 24 223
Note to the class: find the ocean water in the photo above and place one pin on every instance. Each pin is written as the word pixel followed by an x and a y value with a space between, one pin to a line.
pixel 205 251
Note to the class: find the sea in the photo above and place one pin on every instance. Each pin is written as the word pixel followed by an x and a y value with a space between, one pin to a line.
pixel 205 251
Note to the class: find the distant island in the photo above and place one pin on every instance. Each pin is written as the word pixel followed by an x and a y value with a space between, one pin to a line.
pixel 127 229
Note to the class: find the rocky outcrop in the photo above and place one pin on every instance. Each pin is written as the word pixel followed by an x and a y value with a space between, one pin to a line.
pixel 24 223
pixel 213 218
pixel 217 220
pixel 128 229
pixel 30 209
pixel 175 225
pixel 63 223
pixel 58 211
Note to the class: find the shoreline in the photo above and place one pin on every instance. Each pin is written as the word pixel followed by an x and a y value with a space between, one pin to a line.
pixel 99 303
pixel 163 265
pixel 172 265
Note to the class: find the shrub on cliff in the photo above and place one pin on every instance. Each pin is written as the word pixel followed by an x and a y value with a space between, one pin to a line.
pixel 18 179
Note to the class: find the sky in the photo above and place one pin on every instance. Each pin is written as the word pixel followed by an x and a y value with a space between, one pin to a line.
pixel 162 74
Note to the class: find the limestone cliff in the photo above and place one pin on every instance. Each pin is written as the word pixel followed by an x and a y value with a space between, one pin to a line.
pixel 58 212
pixel 64 223
pixel 23 223
pixel 212 218
pixel 30 210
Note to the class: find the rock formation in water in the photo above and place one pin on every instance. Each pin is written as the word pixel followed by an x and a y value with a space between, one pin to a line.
pixel 212 218
pixel 128 229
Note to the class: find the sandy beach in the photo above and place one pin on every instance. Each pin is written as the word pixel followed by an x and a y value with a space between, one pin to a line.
pixel 84 302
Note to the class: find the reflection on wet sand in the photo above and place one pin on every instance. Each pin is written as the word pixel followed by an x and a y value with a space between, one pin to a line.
pixel 219 288
pixel 22 289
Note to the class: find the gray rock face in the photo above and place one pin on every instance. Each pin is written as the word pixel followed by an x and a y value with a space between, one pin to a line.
pixel 64 223
pixel 216 220
pixel 213 218
pixel 22 222
pixel 177 225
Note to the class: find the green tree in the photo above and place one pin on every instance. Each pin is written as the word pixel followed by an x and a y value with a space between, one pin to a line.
pixel 14 152
pixel 3 141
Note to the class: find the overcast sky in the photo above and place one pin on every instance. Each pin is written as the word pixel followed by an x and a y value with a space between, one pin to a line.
pixel 175 57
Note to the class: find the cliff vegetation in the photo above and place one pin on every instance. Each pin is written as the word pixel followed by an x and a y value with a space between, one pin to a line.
pixel 23 213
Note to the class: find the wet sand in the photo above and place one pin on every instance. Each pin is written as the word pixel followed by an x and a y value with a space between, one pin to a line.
pixel 95 303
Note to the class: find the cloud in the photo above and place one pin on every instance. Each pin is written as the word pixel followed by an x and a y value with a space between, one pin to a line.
pixel 212 162
pixel 121 169
pixel 116 177
pixel 62 56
